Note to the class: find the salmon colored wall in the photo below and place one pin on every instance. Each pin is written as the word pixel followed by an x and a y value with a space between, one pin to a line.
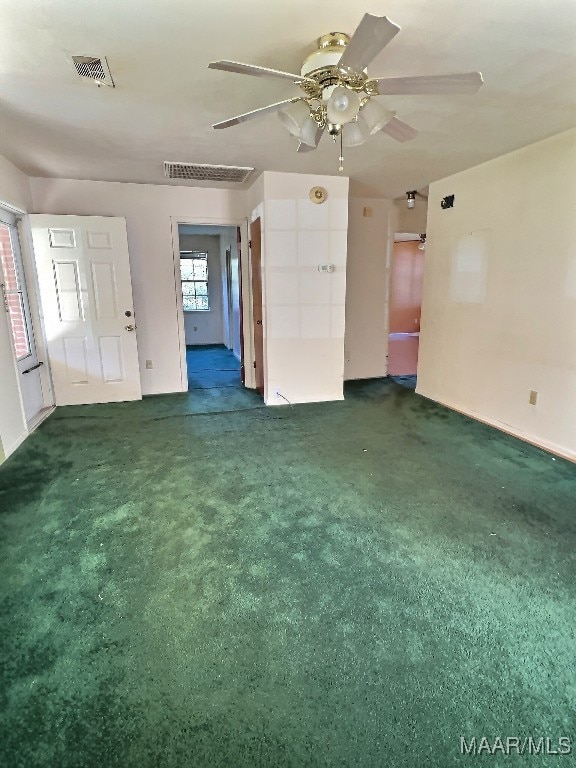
pixel 405 305
pixel 406 287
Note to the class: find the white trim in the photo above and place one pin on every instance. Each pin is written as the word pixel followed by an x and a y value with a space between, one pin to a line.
pixel 35 422
pixel 9 449
pixel 31 274
pixel 537 442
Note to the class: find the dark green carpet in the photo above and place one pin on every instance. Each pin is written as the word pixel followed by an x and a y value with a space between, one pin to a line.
pixel 345 584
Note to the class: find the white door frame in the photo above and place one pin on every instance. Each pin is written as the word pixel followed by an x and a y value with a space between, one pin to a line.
pixel 19 220
pixel 244 298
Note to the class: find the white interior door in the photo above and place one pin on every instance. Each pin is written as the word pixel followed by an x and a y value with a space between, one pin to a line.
pixel 18 309
pixel 86 296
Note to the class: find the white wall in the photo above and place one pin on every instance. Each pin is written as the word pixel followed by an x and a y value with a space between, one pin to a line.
pixel 206 327
pixel 371 224
pixel 15 194
pixel 150 213
pixel 499 310
pixel 303 308
pixel 230 314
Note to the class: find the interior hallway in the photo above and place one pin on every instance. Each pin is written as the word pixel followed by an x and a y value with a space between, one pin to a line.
pixel 354 583
pixel 212 366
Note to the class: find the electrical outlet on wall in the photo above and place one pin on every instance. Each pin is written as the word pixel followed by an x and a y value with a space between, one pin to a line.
pixel 533 397
pixel 149 364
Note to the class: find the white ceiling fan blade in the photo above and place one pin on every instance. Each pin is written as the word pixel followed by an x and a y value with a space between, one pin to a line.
pixel 399 130
pixel 371 36
pixel 302 147
pixel 253 69
pixel 255 113
pixel 468 82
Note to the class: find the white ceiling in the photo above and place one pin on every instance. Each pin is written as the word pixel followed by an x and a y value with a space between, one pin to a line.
pixel 166 99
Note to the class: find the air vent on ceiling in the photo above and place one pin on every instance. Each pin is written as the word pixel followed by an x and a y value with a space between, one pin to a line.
pixel 93 68
pixel 206 172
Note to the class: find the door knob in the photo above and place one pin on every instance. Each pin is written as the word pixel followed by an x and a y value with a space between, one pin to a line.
pixel 129 327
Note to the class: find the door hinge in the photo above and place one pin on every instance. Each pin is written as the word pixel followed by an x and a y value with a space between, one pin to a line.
pixel 254 364
pixel 249 243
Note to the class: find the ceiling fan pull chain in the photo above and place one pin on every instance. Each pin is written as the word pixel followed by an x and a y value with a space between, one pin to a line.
pixel 341 158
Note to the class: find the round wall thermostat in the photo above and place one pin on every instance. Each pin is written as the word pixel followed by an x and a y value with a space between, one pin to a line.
pixel 318 194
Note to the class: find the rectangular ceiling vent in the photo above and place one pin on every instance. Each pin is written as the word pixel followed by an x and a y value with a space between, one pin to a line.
pixel 93 68
pixel 206 172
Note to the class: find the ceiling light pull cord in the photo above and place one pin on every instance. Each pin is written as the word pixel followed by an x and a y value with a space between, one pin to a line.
pixel 341 158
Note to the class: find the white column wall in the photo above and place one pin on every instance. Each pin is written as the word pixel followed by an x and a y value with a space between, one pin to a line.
pixel 303 308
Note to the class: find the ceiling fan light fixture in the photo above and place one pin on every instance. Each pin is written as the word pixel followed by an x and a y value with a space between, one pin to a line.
pixel 308 132
pixel 294 117
pixel 343 105
pixel 355 133
pixel 375 115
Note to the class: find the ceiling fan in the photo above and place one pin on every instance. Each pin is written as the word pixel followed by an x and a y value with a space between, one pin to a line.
pixel 338 95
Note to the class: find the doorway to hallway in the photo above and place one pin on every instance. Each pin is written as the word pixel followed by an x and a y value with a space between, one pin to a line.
pixel 405 307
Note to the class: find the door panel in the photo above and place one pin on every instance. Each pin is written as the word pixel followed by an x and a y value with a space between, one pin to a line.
pixel 255 258
pixel 86 295
pixel 240 306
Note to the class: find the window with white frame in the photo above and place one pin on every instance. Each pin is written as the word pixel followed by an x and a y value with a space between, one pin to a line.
pixel 194 277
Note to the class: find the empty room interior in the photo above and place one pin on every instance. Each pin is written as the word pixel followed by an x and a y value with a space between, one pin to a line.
pixel 287 384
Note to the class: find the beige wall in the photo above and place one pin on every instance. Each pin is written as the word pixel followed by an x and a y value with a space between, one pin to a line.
pixel 14 187
pixel 371 225
pixel 411 219
pixel 150 213
pixel 499 311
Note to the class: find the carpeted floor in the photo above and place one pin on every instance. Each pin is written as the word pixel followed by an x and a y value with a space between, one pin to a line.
pixel 211 366
pixel 358 583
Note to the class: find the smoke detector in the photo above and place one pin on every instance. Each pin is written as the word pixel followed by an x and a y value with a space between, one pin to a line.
pixel 93 68
pixel 199 172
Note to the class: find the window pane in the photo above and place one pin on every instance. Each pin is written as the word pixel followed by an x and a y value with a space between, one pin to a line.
pixel 201 289
pixel 202 302
pixel 200 268
pixel 186 269
pixel 188 289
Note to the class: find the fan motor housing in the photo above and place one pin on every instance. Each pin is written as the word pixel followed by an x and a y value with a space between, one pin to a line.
pixel 322 65
pixel 326 56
